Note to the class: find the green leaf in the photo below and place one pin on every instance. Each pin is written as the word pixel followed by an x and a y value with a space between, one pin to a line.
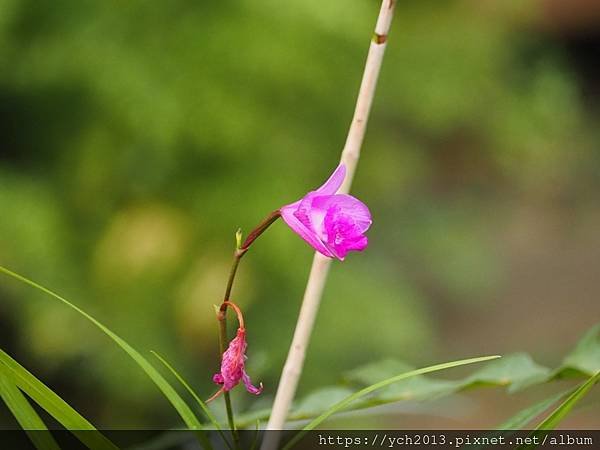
pixel 415 388
pixel 27 417
pixel 53 404
pixel 202 405
pixel 319 400
pixel 520 420
pixel 516 370
pixel 565 408
pixel 523 417
pixel 584 359
pixel 182 408
pixel 550 422
pixel 343 404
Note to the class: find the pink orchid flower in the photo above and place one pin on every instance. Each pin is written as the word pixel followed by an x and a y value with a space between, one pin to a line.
pixel 233 362
pixel 333 224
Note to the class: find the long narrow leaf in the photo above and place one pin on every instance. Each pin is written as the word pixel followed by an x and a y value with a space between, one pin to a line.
pixel 348 400
pixel 550 422
pixel 28 418
pixel 202 405
pixel 565 407
pixel 53 404
pixel 182 408
pixel 523 417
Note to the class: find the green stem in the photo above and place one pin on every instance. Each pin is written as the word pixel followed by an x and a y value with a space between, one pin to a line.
pixel 240 251
pixel 234 267
pixel 226 396
pixel 222 317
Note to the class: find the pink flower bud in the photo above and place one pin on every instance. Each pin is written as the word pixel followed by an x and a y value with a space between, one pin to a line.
pixel 333 224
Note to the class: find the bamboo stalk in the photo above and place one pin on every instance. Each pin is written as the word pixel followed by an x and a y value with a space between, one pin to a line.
pixel 320 266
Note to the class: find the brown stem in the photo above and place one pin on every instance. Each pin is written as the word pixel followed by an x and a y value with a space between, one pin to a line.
pixel 238 312
pixel 260 229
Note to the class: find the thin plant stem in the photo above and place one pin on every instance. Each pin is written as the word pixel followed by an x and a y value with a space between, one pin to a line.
pixel 320 267
pixel 240 251
pixel 260 229
pixel 226 396
pixel 222 319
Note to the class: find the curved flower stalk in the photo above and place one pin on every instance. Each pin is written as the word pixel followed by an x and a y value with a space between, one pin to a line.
pixel 233 362
pixel 333 224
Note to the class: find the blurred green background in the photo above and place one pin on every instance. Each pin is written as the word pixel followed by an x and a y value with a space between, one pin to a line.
pixel 136 137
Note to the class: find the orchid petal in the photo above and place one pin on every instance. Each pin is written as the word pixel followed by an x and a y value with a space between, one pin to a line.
pixel 249 386
pixel 334 182
pixel 287 214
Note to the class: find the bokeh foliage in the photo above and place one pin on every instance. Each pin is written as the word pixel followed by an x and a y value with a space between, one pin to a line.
pixel 137 137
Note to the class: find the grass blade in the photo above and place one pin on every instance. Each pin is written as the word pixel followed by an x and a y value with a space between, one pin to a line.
pixel 182 408
pixel 550 422
pixel 28 418
pixel 565 407
pixel 202 405
pixel 348 400
pixel 53 404
pixel 523 417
